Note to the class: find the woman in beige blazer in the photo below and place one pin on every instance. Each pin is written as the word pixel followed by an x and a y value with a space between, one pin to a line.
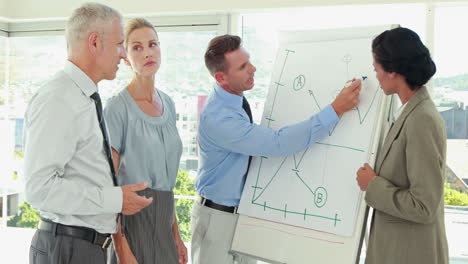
pixel 407 187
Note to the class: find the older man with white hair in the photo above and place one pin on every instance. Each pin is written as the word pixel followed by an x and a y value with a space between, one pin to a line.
pixel 70 176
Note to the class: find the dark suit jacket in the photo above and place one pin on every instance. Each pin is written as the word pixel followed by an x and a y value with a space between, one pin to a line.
pixel 408 193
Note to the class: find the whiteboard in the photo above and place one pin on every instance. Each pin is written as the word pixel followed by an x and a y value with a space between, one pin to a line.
pixel 308 205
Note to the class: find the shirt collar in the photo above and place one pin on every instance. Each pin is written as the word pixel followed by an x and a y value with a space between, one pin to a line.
pixel 398 112
pixel 228 98
pixel 80 78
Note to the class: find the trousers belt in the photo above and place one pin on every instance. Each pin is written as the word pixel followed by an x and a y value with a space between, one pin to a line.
pixel 84 233
pixel 208 203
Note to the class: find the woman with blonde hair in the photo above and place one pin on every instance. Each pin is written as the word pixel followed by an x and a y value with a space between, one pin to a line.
pixel 146 147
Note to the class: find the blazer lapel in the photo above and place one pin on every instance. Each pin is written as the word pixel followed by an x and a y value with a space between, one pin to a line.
pixel 420 96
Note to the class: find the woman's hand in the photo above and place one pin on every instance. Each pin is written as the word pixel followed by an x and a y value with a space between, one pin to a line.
pixel 365 175
pixel 125 255
pixel 122 248
pixel 181 250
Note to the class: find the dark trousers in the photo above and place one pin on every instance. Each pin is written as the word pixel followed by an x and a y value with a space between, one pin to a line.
pixel 47 248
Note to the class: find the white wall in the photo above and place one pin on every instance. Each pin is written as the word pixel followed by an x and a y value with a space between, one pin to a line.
pixel 3 8
pixel 33 9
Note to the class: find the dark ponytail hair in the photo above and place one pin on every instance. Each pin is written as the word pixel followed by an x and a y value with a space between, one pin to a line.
pixel 400 50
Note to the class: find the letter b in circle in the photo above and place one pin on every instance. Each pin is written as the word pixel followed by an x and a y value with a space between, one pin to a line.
pixel 320 197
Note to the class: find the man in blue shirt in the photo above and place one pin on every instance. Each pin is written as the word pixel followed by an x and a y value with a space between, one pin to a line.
pixel 227 139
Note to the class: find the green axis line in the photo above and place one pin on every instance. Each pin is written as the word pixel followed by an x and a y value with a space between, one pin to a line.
pixel 297 213
pixel 277 85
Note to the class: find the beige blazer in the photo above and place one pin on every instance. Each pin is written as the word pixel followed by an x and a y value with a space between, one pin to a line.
pixel 407 195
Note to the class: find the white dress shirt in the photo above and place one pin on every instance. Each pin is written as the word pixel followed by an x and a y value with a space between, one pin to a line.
pixel 68 177
pixel 398 112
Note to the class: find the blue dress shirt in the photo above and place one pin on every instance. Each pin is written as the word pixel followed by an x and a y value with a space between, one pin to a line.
pixel 227 139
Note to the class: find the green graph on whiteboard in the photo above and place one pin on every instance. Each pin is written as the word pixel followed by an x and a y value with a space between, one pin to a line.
pixel 318 193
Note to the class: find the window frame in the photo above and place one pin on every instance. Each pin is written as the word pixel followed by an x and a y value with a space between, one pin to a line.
pixel 229 22
pixel 223 23
pixel 219 23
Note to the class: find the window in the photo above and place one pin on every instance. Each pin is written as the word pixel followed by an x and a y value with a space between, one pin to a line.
pixel 260 33
pixel 31 62
pixel 27 62
pixel 3 66
pixel 35 59
pixel 451 80
pixel 182 75
pixel 450 93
